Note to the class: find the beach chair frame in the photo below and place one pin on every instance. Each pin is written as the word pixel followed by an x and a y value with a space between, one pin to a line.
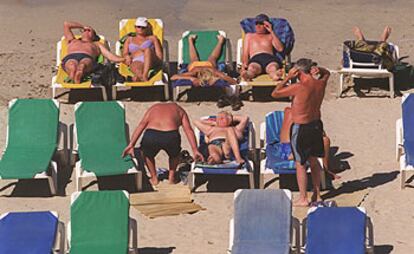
pixel 295 228
pixel 59 244
pixel 369 226
pixel 132 227
pixel 367 70
pixel 53 167
pixel 176 91
pixel 55 85
pixel 80 173
pixel 267 171
pixel 243 171
pixel 165 66
pixel 399 148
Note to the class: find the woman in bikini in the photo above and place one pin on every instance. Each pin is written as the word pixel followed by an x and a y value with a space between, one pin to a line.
pixel 142 51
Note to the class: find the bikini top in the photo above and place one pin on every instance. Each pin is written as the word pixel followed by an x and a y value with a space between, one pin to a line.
pixel 133 47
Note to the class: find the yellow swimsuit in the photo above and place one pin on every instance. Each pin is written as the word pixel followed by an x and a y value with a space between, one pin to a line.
pixel 200 64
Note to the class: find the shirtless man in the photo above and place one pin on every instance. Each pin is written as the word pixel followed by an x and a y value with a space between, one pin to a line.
pixel 258 56
pixel 83 52
pixel 286 149
pixel 307 131
pixel 222 137
pixel 161 124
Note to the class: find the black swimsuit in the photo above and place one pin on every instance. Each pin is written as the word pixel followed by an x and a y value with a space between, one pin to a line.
pixel 155 140
pixel 264 59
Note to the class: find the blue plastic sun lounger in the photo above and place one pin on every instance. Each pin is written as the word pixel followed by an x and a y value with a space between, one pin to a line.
pixel 263 222
pixel 405 137
pixel 30 232
pixel 270 142
pixel 339 230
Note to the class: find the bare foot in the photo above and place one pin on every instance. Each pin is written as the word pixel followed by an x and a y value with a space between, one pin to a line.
pixel 78 77
pixel 154 181
pixel 386 33
pixel 192 38
pixel 136 78
pixel 300 203
pixel 221 38
pixel 358 33
pixel 145 78
pixel 316 198
pixel 245 76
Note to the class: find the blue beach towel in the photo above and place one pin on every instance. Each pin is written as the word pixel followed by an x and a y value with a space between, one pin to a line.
pixel 339 230
pixel 28 232
pixel 262 222
pixel 408 124
pixel 282 29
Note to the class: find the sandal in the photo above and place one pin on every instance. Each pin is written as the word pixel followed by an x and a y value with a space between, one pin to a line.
pixel 223 101
pixel 236 103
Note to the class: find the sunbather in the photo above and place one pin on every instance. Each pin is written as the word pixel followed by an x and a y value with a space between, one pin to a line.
pixel 142 51
pixel 83 53
pixel 286 149
pixel 161 124
pixel 222 135
pixel 258 57
pixel 204 73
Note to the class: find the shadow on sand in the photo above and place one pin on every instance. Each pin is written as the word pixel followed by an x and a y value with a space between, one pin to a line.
pixel 152 250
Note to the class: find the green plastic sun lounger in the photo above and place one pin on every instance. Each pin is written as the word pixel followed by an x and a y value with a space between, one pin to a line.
pixel 100 223
pixel 99 138
pixel 32 138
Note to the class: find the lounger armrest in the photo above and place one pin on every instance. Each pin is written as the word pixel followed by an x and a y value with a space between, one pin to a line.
pixel 296 231
pixel 231 235
pixel 239 52
pixel 370 236
pixel 399 139
pixel 63 141
pixel 133 235
pixel 304 231
pixel 60 239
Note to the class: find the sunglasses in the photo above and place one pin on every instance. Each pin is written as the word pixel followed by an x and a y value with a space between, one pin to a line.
pixel 141 27
pixel 86 30
pixel 259 23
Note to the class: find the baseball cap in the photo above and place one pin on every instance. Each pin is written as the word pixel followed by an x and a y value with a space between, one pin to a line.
pixel 261 18
pixel 141 21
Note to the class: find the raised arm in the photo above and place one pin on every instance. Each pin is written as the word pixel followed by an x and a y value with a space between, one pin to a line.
pixel 282 90
pixel 277 44
pixel 137 133
pixel 67 29
pixel 109 55
pixel 189 132
pixel 242 122
pixel 224 77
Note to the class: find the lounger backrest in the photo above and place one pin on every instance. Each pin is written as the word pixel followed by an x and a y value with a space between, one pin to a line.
pixel 274 121
pixel 408 123
pixel 339 230
pixel 262 221
pixel 282 29
pixel 99 223
pixel 205 43
pixel 28 232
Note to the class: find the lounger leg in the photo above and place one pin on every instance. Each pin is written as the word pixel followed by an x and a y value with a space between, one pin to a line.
pixel 133 235
pixel 53 179
pixel 114 92
pixel 166 92
pixel 191 179
pixel 403 174
pixel 370 231
pixel 296 229
pixel 251 180
pixel 60 242
pixel 341 85
pixel 391 82
pixel 54 92
pixel 261 181
pixel 139 180
pixel 104 96
pixel 78 183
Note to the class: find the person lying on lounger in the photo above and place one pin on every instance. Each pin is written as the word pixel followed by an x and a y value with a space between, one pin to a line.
pixel 258 57
pixel 204 73
pixel 142 51
pixel 222 136
pixel 82 55
pixel 161 124
pixel 286 148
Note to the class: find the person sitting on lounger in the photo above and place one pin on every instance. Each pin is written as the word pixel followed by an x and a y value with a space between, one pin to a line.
pixel 258 57
pixel 223 135
pixel 83 53
pixel 161 124
pixel 204 73
pixel 142 51
pixel 286 148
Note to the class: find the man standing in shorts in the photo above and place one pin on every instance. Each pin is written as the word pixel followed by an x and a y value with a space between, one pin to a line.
pixel 307 130
pixel 161 124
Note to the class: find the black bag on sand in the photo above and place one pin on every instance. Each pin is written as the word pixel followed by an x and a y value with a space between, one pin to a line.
pixel 106 75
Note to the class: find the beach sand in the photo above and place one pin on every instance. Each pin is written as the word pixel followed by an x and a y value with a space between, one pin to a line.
pixel 362 130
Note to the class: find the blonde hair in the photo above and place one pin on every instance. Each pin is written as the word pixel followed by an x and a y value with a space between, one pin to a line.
pixel 205 75
pixel 227 113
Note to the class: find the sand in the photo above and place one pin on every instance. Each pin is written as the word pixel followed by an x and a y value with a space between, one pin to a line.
pixel 362 130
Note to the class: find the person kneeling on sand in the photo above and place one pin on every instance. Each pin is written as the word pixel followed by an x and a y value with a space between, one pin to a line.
pixel 161 124
pixel 223 135
pixel 83 53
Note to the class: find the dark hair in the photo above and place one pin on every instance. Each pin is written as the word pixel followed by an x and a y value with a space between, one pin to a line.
pixel 305 65
pixel 261 18
pixel 95 36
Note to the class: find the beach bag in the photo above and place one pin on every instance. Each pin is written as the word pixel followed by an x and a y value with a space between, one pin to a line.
pixel 105 75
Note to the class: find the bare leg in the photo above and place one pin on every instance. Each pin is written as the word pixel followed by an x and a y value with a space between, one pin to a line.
pixel 215 155
pixel 84 67
pixel 150 162
pixel 253 70
pixel 232 140
pixel 386 33
pixel 316 178
pixel 71 66
pixel 302 183
pixel 193 50
pixel 325 159
pixel 173 163
pixel 215 54
pixel 274 71
pixel 137 68
pixel 148 61
pixel 358 33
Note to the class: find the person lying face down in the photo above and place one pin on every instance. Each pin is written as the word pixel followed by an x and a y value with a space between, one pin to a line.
pixel 83 53
pixel 222 136
pixel 204 73
pixel 258 47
